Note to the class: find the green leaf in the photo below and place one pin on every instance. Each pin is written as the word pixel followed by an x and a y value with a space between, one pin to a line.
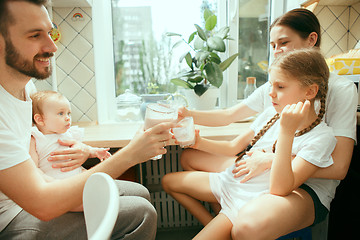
pixel 197 79
pixel 176 44
pixel 214 74
pixel 191 37
pixel 198 43
pixel 223 32
pixel 200 89
pixel 181 83
pixel 201 32
pixel 171 34
pixel 216 43
pixel 188 59
pixel 187 74
pixel 201 56
pixel 207 14
pixel 215 58
pixel 226 63
pixel 210 23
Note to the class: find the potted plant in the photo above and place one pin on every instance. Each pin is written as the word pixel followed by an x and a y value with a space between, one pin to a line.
pixel 205 65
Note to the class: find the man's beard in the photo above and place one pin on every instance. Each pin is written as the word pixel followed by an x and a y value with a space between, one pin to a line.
pixel 14 60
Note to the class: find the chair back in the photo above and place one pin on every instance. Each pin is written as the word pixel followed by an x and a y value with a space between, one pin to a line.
pixel 101 206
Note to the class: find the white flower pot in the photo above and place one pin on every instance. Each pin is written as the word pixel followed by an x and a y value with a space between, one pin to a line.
pixel 207 101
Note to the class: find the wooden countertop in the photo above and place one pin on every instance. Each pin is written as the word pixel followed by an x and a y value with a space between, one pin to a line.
pixel 119 134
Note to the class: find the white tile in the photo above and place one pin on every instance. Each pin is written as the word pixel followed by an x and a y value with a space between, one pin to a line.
pixel 84 118
pixel 81 74
pixel 326 17
pixel 76 114
pixel 355 29
pixel 79 46
pixel 91 87
pixel 333 51
pixel 69 88
pixel 77 23
pixel 83 100
pixel 88 11
pixel 88 60
pixel 57 19
pixel 326 42
pixel 63 12
pixel 67 61
pixel 87 32
pixel 60 75
pixel 353 16
pixel 336 31
pixel 60 49
pixel 343 43
pixel 67 33
pixel 92 112
pixel 352 42
pixel 42 85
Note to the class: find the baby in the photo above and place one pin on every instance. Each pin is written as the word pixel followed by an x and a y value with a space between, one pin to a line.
pixel 52 120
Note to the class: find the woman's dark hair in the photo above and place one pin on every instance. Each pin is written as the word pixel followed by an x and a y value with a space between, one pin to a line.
pixel 302 21
pixel 5 16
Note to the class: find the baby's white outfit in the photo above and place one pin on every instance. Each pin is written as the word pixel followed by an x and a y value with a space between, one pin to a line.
pixel 315 147
pixel 45 144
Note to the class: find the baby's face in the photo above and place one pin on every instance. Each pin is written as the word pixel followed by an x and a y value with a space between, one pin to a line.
pixel 56 115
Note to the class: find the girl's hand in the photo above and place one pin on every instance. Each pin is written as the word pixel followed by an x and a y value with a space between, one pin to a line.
pixel 76 155
pixel 256 164
pixel 197 139
pixel 182 113
pixel 292 116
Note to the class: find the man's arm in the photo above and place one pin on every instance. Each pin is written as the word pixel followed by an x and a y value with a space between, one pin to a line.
pixel 24 185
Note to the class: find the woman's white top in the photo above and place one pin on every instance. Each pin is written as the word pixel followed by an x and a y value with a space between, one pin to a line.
pixel 45 144
pixel 341 104
pixel 315 147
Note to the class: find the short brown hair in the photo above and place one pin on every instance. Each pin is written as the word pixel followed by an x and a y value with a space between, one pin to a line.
pixel 7 19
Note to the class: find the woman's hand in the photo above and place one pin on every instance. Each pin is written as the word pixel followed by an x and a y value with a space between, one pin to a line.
pixel 76 155
pixel 256 164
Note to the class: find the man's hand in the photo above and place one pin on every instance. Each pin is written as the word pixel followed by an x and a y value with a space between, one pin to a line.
pixel 256 164
pixel 76 155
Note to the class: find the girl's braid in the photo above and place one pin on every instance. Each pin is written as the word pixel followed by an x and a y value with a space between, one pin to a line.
pixel 258 136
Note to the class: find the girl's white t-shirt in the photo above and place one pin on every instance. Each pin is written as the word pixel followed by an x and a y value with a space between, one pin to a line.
pixel 341 104
pixel 15 130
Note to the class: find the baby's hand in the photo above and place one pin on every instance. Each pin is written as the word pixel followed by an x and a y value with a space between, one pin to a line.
pixel 102 153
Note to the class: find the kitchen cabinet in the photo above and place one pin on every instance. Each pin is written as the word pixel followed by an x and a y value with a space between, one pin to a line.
pixel 71 3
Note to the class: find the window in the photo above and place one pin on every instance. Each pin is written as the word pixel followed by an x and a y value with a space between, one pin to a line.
pixel 144 58
pixel 131 51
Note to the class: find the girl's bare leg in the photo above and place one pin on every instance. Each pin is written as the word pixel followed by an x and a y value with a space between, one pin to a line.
pixel 270 216
pixel 196 160
pixel 188 188
pixel 218 229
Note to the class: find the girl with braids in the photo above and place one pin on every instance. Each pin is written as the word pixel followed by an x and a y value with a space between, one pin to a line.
pixel 302 144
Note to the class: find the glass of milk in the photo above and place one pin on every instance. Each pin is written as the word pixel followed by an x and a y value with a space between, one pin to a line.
pixel 185 132
pixel 158 113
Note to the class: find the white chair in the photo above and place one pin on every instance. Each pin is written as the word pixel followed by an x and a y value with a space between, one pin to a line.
pixel 101 206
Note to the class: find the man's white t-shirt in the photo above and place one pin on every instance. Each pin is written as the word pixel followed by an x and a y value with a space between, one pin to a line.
pixel 341 104
pixel 15 130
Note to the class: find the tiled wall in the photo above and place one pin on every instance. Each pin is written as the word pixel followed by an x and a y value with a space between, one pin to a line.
pixel 340 26
pixel 75 62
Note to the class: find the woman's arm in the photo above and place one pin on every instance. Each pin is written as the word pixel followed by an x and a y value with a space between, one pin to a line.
pixel 341 155
pixel 226 148
pixel 221 117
